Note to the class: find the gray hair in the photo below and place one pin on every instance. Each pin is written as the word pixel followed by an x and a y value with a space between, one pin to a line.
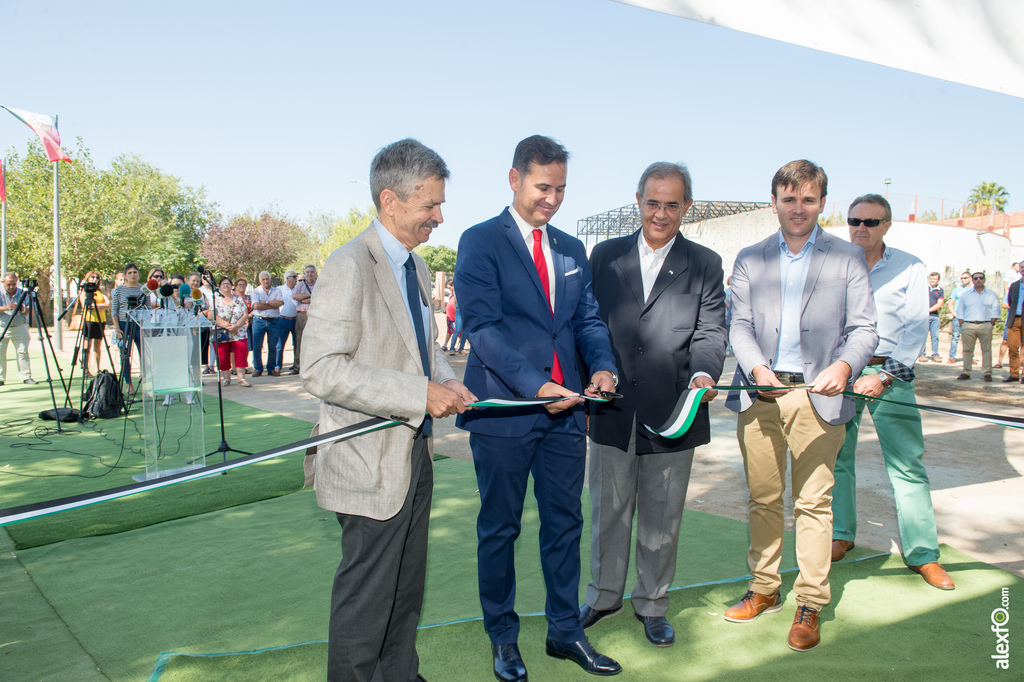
pixel 290 273
pixel 308 266
pixel 665 169
pixel 877 199
pixel 401 165
pixel 262 272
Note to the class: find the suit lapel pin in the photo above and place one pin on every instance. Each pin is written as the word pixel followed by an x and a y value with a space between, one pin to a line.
pixel 671 273
pixel 554 241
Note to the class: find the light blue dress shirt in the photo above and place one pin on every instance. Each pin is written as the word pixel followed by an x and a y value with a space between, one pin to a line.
pixel 19 315
pixel 793 269
pixel 900 285
pixel 397 255
pixel 975 307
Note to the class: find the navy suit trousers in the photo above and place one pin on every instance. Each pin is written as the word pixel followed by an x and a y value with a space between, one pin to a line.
pixel 555 453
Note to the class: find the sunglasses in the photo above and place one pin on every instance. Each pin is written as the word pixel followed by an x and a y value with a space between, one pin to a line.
pixel 868 222
pixel 979 277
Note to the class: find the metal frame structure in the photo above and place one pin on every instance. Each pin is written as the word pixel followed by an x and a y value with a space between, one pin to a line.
pixel 625 220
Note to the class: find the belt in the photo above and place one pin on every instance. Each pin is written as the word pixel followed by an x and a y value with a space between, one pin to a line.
pixel 285 317
pixel 302 312
pixel 790 377
pixel 977 321
pixel 877 360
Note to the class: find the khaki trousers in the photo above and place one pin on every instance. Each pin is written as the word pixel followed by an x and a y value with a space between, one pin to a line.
pixel 765 431
pixel 974 332
pixel 1015 339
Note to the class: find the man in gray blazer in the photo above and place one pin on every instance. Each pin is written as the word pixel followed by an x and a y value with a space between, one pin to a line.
pixel 803 313
pixel 369 350
pixel 662 298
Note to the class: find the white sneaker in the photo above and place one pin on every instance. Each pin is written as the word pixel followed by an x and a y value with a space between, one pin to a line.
pixel 189 399
pixel 168 399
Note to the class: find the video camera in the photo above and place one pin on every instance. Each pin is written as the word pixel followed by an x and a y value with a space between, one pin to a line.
pixel 29 283
pixel 90 288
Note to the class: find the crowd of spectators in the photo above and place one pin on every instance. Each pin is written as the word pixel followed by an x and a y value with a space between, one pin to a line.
pixel 244 319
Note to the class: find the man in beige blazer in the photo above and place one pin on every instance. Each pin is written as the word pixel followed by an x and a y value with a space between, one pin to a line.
pixel 369 350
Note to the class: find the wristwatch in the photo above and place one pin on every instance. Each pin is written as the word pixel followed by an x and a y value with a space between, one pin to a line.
pixel 885 379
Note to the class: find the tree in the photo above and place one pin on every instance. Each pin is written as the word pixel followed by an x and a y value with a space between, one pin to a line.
pixel 438 258
pixel 247 244
pixel 988 195
pixel 129 212
pixel 326 231
pixel 928 216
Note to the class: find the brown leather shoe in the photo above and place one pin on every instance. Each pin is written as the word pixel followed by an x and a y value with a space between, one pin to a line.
pixel 934 575
pixel 805 633
pixel 274 373
pixel 840 548
pixel 753 605
pixel 964 376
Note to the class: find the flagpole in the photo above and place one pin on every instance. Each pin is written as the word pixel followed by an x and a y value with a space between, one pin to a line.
pixel 56 295
pixel 3 221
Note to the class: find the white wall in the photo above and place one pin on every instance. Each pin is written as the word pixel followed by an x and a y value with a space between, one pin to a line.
pixel 956 248
pixel 727 235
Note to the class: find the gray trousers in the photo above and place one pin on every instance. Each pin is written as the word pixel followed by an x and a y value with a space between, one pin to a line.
pixel 378 589
pixel 654 487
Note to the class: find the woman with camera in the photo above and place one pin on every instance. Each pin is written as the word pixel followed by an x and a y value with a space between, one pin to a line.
pixel 92 305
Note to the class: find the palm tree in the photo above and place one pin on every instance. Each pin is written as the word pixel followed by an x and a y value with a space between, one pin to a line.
pixel 986 195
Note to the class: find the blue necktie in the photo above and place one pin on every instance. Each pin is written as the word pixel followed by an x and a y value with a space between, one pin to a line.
pixel 412 296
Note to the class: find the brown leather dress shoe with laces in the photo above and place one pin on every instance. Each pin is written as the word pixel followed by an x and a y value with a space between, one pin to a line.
pixel 753 605
pixel 934 575
pixel 805 633
pixel 840 548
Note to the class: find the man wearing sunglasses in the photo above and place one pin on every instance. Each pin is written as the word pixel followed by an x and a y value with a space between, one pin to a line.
pixel 901 297
pixel 977 311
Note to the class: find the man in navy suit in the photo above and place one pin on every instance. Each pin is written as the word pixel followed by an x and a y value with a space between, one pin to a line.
pixel 528 308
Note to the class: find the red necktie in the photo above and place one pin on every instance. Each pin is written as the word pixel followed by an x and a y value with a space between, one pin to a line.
pixel 542 271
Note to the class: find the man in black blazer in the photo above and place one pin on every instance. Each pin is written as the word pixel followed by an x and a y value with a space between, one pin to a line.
pixel 664 303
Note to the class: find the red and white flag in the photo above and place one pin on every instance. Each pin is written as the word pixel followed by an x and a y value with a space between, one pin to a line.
pixel 46 128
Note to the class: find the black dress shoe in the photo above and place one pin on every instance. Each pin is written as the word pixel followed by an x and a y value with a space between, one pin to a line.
pixel 987 378
pixel 589 617
pixel 1009 379
pixel 508 664
pixel 657 629
pixel 420 678
pixel 584 655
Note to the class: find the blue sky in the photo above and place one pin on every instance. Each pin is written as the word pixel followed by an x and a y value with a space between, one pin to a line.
pixel 286 102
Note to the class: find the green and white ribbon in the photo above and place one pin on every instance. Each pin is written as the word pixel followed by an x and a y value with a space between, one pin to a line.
pixel 685 411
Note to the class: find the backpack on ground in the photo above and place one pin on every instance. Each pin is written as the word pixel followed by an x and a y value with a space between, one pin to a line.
pixel 103 397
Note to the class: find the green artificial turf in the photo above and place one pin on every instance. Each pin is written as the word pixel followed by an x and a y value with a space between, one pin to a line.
pixel 37 464
pixel 930 635
pixel 258 576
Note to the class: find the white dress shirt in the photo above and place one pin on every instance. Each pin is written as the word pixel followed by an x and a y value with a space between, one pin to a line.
pixel 651 261
pixel 527 230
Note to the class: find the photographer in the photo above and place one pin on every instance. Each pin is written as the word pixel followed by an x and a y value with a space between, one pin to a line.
pixel 93 307
pixel 128 296
pixel 18 329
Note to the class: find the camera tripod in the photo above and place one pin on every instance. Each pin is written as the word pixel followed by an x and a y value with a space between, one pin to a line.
pixel 90 312
pixel 28 292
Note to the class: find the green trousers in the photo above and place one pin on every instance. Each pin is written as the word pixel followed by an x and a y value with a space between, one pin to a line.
pixel 902 441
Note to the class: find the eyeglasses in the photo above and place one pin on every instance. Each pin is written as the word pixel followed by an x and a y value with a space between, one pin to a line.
pixel 868 222
pixel 979 277
pixel 656 206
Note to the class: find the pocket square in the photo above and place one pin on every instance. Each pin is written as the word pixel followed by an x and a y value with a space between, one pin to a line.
pixel 573 272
